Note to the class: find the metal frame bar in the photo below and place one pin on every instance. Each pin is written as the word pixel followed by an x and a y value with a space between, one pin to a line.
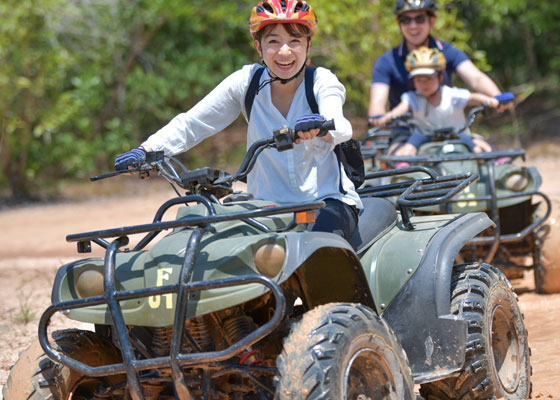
pixel 111 297
pixel 418 193
pixel 193 221
pixel 130 365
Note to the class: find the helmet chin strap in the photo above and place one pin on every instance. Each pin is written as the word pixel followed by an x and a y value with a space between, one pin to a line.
pixel 275 78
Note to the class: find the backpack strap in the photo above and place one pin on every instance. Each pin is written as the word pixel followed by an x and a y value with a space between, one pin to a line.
pixel 349 159
pixel 309 81
pixel 252 91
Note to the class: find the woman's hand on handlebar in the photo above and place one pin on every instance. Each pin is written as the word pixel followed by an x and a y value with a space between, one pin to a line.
pixel 125 160
pixel 308 127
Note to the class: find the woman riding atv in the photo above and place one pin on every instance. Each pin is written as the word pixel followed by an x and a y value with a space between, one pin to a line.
pixel 282 33
pixel 434 103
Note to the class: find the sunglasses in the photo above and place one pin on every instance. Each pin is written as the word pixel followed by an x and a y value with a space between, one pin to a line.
pixel 418 19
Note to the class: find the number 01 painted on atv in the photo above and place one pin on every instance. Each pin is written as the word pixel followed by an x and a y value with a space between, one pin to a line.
pixel 155 301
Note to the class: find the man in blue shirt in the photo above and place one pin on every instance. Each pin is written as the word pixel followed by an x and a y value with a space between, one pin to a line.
pixel 389 76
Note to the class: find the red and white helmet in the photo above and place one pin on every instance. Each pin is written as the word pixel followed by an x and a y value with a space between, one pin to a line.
pixel 269 12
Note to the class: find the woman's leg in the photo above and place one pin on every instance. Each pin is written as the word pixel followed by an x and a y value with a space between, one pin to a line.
pixel 337 217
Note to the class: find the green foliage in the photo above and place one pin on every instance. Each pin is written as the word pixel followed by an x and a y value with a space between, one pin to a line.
pixel 82 81
pixel 351 34
pixel 519 37
pixel 32 83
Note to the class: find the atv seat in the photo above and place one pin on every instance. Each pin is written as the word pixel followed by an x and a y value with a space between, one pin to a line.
pixel 376 218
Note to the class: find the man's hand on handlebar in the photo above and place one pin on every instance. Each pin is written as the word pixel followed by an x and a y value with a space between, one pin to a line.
pixel 383 120
pixel 378 120
pixel 493 103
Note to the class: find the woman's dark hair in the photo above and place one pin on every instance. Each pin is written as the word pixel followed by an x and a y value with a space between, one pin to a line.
pixel 296 30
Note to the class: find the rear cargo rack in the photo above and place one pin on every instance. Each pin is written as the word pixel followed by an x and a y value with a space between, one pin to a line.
pixel 418 193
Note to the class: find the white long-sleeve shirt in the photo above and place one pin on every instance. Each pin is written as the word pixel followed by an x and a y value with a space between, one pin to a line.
pixel 310 171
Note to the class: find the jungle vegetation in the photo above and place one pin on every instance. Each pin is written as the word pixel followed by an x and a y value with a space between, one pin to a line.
pixel 84 80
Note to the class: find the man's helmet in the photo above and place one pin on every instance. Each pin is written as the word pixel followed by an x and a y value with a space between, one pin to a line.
pixel 403 6
pixel 424 61
pixel 269 12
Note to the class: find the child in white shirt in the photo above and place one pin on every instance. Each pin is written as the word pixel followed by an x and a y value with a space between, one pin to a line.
pixel 435 104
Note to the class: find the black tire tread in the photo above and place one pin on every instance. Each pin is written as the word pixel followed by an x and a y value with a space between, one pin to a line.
pixel 43 376
pixel 470 287
pixel 315 352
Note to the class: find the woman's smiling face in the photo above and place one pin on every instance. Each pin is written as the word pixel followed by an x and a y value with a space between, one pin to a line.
pixel 284 53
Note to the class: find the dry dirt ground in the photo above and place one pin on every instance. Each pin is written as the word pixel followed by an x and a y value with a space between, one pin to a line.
pixel 33 246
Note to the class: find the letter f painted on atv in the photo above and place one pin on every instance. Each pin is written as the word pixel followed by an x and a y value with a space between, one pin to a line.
pixel 155 301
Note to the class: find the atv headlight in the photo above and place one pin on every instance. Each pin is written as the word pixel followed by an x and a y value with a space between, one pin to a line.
pixel 90 283
pixel 516 181
pixel 269 259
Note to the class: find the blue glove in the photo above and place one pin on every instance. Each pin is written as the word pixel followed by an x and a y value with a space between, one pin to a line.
pixel 123 161
pixel 505 97
pixel 309 122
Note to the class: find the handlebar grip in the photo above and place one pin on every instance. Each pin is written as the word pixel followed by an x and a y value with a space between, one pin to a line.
pixel 109 174
pixel 327 126
pixel 504 98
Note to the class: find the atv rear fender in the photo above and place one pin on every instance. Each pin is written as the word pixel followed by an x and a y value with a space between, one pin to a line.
pixel 433 338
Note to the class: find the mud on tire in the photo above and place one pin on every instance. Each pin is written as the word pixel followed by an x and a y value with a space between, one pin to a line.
pixel 37 377
pixel 497 353
pixel 343 351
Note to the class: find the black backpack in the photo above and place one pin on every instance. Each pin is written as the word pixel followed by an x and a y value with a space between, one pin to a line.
pixel 348 153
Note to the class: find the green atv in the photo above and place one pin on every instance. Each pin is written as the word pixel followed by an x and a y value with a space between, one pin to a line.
pixel 240 301
pixel 507 192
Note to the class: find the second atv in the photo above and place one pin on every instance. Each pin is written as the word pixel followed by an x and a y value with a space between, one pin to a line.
pixel 507 192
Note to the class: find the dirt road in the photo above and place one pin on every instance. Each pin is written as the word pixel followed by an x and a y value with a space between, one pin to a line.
pixel 33 246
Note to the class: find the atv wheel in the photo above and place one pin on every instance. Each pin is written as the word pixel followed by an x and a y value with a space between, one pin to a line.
pixel 36 377
pixel 343 351
pixel 497 352
pixel 546 259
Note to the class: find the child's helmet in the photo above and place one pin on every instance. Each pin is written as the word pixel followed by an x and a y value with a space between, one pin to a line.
pixel 403 6
pixel 284 12
pixel 424 61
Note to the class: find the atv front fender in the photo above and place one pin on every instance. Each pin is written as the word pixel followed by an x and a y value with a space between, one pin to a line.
pixel 433 338
pixel 327 268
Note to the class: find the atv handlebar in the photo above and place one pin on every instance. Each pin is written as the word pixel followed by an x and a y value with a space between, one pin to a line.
pixel 407 120
pixel 207 181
